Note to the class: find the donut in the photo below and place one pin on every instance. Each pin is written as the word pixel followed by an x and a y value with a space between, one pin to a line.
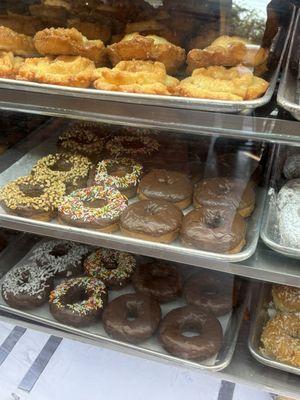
pixel 94 207
pixel 81 141
pixel 112 267
pixel 286 298
pixel 137 147
pixel 122 174
pixel 64 258
pixel 32 197
pixel 78 301
pixel 27 286
pixel 202 346
pixel 172 186
pixel 288 213
pixel 291 168
pixel 281 338
pixel 154 220
pixel 159 279
pixel 225 192
pixel 213 291
pixel 216 229
pixel 72 170
pixel 132 317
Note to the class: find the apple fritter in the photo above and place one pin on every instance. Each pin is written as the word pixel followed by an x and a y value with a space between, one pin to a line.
pixel 9 64
pixel 17 43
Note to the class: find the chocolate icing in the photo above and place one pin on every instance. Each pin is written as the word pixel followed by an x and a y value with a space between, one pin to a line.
pixel 132 317
pixel 210 290
pixel 154 217
pixel 158 279
pixel 191 319
pixel 213 229
pixel 172 186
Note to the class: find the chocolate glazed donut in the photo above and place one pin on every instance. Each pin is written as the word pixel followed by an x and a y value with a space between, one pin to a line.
pixel 213 291
pixel 194 319
pixel 132 318
pixel 159 279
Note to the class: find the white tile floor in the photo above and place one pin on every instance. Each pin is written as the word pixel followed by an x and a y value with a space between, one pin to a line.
pixel 79 371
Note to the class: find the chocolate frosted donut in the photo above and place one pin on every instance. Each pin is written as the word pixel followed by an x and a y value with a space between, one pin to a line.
pixel 225 192
pixel 64 258
pixel 213 291
pixel 27 286
pixel 132 317
pixel 158 279
pixel 155 220
pixel 194 319
pixel 78 301
pixel 220 230
pixel 172 186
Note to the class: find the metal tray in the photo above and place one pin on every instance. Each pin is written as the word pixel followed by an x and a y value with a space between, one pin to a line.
pixel 164 101
pixel 287 96
pixel 261 309
pixel 230 322
pixel 174 251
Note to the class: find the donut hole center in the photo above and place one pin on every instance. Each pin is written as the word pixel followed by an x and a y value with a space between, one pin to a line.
pixel 132 144
pixel 190 330
pixel 75 295
pixel 25 277
pixel 61 165
pixel 97 203
pixel 31 190
pixel 132 311
pixel 158 274
pixel 58 251
pixel 119 171
pixel 152 208
pixel 213 220
pixel 166 179
pixel 222 190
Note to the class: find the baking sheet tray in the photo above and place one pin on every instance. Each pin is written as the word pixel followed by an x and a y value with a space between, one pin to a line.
pixel 262 309
pixel 164 101
pixel 288 95
pixel 116 240
pixel 230 322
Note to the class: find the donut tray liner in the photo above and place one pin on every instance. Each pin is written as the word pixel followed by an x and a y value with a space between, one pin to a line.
pixel 150 348
pixel 278 46
pixel 174 251
pixel 263 310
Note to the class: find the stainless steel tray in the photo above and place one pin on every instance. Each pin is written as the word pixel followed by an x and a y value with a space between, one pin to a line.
pixel 230 323
pixel 174 251
pixel 287 96
pixel 260 318
pixel 164 101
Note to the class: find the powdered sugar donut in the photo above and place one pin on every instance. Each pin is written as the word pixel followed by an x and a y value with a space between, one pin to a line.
pixel 64 258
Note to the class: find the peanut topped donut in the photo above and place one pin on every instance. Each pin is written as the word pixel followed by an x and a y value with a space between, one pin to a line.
pixel 225 192
pixel 172 186
pixel 154 220
pixel 216 229
pixel 159 279
pixel 32 197
pixel 78 301
pixel 94 207
pixel 73 170
pixel 120 173
pixel 112 267
pixel 27 286
pixel 137 147
pixel 286 298
pixel 62 257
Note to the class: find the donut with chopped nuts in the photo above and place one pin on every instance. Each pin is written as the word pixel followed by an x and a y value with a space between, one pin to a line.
pixel 113 267
pixel 78 301
pixel 72 170
pixel 33 198
pixel 27 286
pixel 94 207
pixel 62 257
pixel 122 174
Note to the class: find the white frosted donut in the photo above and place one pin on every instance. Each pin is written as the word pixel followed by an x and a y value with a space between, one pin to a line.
pixel 291 169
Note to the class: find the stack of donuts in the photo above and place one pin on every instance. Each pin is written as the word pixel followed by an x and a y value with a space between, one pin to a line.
pixel 89 181
pixel 77 281
pixel 281 334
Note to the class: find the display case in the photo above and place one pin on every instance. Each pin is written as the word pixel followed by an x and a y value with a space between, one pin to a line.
pixel 150 166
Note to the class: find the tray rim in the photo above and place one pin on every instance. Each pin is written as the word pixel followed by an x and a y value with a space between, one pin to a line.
pixel 255 332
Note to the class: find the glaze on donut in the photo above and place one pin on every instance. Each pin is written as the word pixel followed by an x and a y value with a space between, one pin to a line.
pixel 132 318
pixel 114 268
